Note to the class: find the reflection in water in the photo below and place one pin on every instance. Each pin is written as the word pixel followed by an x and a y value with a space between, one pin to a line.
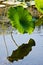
pixel 6 28
pixel 22 51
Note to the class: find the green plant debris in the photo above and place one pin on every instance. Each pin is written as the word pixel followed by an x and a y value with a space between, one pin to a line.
pixel 39 22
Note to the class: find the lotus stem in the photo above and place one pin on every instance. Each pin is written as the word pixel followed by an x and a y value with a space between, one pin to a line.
pixel 13 40
pixel 4 37
pixel 5 45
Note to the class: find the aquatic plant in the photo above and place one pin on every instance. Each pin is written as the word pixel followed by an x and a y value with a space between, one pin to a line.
pixel 21 19
pixel 39 5
pixel 21 51
pixel 39 22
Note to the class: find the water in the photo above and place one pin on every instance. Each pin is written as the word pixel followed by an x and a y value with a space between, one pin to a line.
pixel 35 57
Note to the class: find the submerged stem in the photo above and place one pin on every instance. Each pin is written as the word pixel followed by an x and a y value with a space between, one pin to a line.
pixel 13 40
pixel 3 28
pixel 5 44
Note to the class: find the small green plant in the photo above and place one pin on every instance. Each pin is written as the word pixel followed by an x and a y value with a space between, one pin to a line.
pixel 21 19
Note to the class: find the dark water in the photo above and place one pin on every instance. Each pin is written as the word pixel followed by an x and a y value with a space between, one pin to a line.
pixel 34 57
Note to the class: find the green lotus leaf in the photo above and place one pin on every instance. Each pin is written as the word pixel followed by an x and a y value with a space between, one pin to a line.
pixel 21 19
pixel 39 5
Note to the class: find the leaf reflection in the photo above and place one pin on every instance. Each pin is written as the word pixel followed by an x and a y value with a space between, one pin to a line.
pixel 22 51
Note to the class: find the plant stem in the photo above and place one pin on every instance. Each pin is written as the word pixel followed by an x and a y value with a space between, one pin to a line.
pixel 5 44
pixel 13 40
pixel 4 38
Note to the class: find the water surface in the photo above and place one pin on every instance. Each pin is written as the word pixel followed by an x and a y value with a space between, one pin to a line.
pixel 35 57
